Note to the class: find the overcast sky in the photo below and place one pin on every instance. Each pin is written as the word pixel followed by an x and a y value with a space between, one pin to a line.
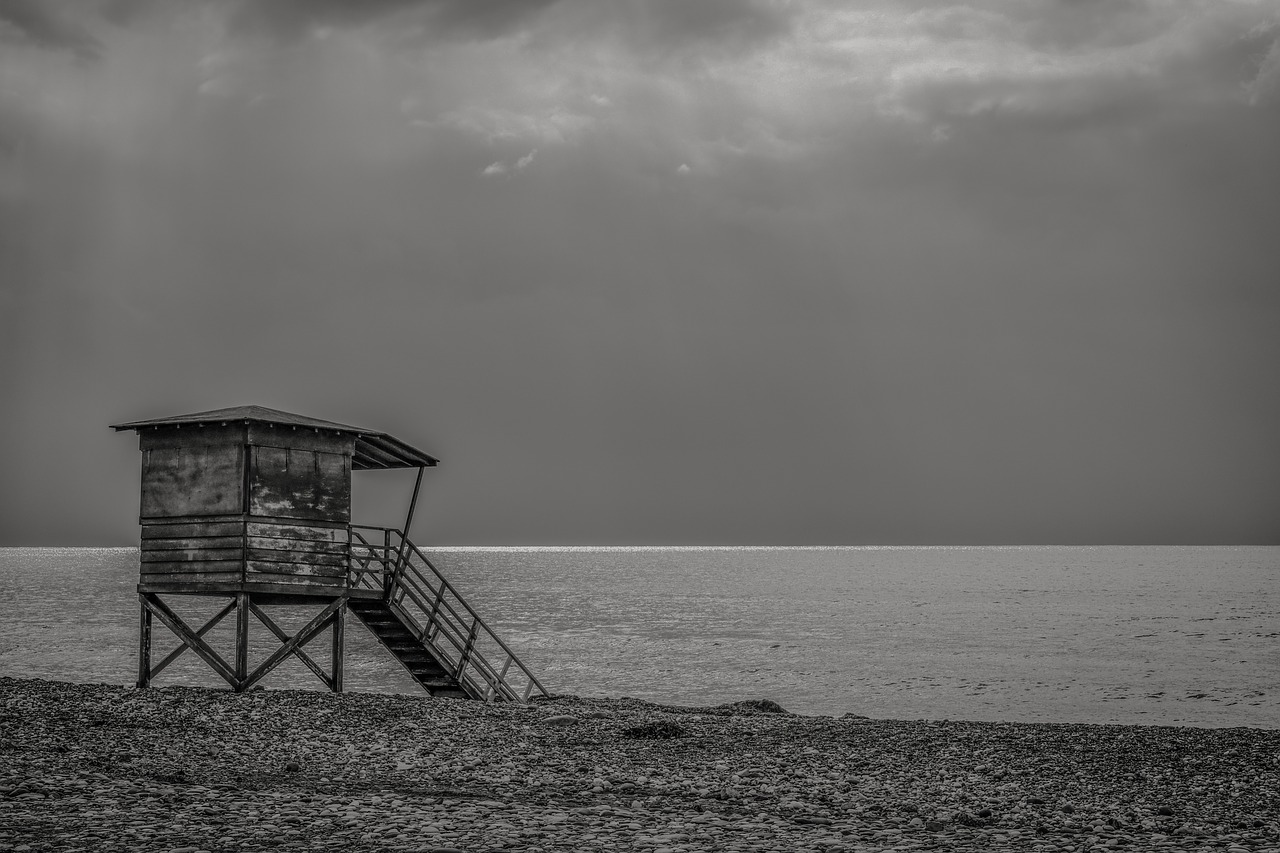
pixel 659 271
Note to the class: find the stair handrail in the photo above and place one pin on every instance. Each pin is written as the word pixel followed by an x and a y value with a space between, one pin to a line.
pixel 491 674
pixel 356 576
pixel 451 630
pixel 471 664
pixel 461 637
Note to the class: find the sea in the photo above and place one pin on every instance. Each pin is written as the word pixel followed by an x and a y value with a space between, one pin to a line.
pixel 1160 635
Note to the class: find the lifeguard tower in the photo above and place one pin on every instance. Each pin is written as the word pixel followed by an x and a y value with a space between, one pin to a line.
pixel 253 505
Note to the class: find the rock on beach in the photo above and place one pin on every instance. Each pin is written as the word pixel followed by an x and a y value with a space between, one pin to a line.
pixel 97 767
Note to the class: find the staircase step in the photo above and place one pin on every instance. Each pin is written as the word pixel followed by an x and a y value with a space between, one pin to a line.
pixel 403 640
pixel 421 662
pixel 447 694
pixel 414 655
pixel 378 625
pixel 423 665
pixel 398 634
pixel 437 687
pixel 437 678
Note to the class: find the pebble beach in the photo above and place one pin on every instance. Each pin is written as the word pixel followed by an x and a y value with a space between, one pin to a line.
pixel 99 768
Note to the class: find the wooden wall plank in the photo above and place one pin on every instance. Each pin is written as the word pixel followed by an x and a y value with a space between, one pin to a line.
pixel 190 578
pixel 315 524
pixel 305 546
pixel 301 438
pixel 299 558
pixel 210 435
pixel 259 571
pixel 301 532
pixel 326 582
pixel 193 555
pixel 189 566
pixel 192 544
pixel 152 530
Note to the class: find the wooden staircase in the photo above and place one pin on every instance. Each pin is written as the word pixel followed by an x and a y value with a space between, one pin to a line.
pixel 427 626
pixel 416 657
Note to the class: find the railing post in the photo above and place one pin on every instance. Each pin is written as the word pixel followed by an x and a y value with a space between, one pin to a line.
pixel 467 647
pixel 435 605
pixel 386 559
pixel 350 575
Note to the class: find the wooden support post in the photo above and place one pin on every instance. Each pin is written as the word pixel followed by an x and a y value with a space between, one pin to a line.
pixel 144 645
pixel 339 642
pixel 242 640
pixel 413 503
pixel 402 551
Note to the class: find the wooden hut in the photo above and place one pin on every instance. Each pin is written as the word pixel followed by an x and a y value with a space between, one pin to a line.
pixel 254 505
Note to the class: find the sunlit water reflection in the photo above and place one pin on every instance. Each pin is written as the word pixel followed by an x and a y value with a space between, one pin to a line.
pixel 1161 635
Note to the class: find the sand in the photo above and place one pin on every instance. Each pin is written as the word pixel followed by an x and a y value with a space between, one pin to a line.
pixel 98 767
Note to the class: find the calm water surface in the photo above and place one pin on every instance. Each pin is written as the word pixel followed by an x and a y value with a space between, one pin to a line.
pixel 1160 635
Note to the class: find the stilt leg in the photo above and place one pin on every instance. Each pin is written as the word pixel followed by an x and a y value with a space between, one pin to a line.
pixel 144 648
pixel 242 641
pixel 339 640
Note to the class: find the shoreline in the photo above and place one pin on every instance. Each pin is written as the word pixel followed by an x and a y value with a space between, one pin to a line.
pixel 101 767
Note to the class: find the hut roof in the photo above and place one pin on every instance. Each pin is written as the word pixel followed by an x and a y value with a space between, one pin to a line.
pixel 373 450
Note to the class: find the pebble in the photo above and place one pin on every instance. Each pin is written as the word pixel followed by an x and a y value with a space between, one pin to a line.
pixel 91 767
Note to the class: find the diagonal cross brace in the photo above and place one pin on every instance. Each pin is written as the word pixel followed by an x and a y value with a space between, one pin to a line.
pixel 208 626
pixel 291 646
pixel 284 638
pixel 189 637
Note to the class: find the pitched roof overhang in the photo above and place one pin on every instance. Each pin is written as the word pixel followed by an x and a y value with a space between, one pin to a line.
pixel 373 450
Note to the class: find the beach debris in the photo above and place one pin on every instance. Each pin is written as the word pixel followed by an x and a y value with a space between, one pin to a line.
pixel 761 706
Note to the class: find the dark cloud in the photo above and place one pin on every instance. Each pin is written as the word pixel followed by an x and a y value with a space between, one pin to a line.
pixel 427 19
pixel 1072 71
pixel 660 28
pixel 1057 24
pixel 1053 322
pixel 722 21
pixel 44 24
